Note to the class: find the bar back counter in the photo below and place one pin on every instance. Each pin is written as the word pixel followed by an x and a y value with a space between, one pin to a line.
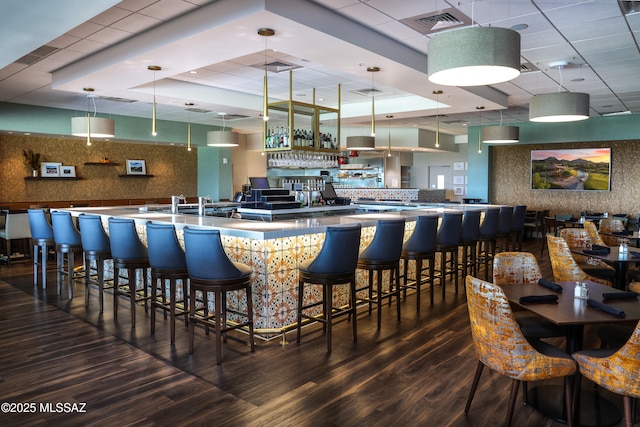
pixel 274 249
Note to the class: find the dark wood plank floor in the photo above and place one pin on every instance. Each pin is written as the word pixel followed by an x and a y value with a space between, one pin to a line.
pixel 413 372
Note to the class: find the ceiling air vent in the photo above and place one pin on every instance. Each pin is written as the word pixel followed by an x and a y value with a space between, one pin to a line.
pixel 38 54
pixel 277 66
pixel 367 91
pixel 629 7
pixel 436 21
pixel 232 117
pixel 528 67
pixel 198 110
pixel 116 99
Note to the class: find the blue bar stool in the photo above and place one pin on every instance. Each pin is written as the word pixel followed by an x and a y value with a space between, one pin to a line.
pixel 447 243
pixel 517 226
pixel 130 254
pixel 211 270
pixel 168 263
pixel 68 244
pixel 487 240
pixel 382 254
pixel 469 242
pixel 421 246
pixel 504 236
pixel 335 264
pixel 42 240
pixel 97 248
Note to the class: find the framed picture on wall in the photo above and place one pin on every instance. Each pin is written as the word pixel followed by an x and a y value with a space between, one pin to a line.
pixel 458 166
pixel 136 167
pixel 458 191
pixel 458 179
pixel 50 169
pixel 67 171
pixel 581 169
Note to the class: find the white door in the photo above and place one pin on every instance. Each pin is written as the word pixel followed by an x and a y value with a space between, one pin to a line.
pixel 439 177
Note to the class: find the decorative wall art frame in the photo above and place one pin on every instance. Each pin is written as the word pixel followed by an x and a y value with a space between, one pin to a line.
pixel 136 167
pixel 458 166
pixel 67 171
pixel 50 169
pixel 576 169
pixel 458 179
pixel 458 191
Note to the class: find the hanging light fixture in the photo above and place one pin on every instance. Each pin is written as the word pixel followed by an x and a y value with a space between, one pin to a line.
pixel 500 134
pixel 480 108
pixel 436 93
pixel 364 143
pixel 92 127
pixel 373 70
pixel 189 105
pixel 389 141
pixel 154 129
pixel 474 56
pixel 265 32
pixel 559 106
pixel 222 138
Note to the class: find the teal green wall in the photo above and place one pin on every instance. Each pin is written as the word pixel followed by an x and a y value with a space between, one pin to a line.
pixel 54 121
pixel 215 178
pixel 613 128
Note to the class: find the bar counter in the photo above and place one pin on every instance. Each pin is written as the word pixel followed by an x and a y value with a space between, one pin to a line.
pixel 275 249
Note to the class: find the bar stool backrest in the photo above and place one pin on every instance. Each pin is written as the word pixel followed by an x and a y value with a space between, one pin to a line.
pixel 40 227
pixel 519 215
pixel 64 230
pixel 92 233
pixel 489 226
pixel 423 238
pixel 124 240
pixel 339 253
pixel 205 256
pixel 471 226
pixel 164 249
pixel 505 219
pixel 387 242
pixel 450 229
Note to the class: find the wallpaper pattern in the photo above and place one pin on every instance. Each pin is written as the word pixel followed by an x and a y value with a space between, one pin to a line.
pixel 174 170
pixel 511 175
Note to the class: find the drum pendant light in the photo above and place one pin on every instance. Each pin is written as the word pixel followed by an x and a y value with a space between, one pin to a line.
pixel 500 134
pixel 92 127
pixel 222 138
pixel 474 56
pixel 559 107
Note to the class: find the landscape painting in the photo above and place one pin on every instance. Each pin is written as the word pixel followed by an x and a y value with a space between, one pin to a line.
pixel 587 169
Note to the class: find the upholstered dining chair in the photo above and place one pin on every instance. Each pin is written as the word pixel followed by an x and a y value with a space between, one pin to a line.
pixel 616 371
pixel 500 345
pixel 611 225
pixel 565 268
pixel 592 230
pixel 97 250
pixel 522 268
pixel 579 238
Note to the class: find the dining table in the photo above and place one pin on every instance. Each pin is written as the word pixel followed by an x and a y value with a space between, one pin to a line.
pixel 574 313
pixel 631 236
pixel 619 260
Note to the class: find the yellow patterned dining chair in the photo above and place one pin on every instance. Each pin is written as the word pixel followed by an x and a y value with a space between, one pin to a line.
pixel 500 345
pixel 565 268
pixel 616 371
pixel 611 225
pixel 591 228
pixel 578 238
pixel 522 268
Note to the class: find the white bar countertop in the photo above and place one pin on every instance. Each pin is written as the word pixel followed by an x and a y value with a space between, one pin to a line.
pixel 275 229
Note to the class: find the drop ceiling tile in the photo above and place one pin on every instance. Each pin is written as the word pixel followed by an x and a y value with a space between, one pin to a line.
pixel 87 46
pixel 109 36
pixel 85 29
pixel 582 12
pixel 136 23
pixel 110 16
pixel 167 9
pixel 605 43
pixel 542 39
pixel 367 15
